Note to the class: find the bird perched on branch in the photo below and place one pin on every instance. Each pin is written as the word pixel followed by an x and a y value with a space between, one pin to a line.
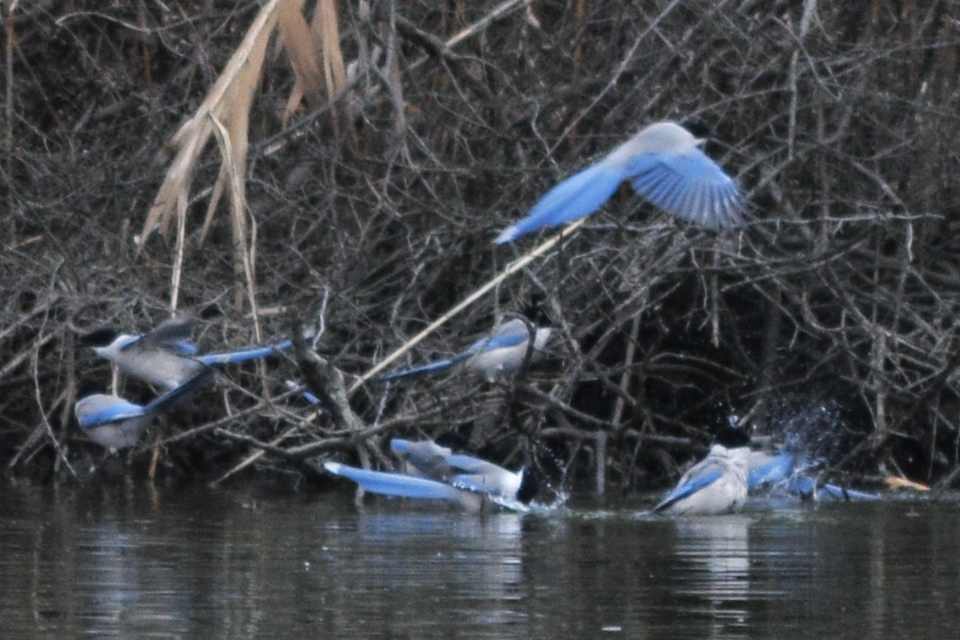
pixel 436 473
pixel 115 423
pixel 499 354
pixel 664 164
pixel 715 485
pixel 166 356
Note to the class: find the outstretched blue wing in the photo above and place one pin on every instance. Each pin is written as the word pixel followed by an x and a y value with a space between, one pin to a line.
pixel 777 469
pixel 689 185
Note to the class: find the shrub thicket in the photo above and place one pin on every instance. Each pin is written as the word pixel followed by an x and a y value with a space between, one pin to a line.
pixel 374 216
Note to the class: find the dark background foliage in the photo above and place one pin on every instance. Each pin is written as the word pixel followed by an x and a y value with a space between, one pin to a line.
pixel 831 316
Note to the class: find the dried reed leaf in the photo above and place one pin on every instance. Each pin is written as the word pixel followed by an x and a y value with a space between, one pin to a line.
pixel 215 196
pixel 896 482
pixel 232 175
pixel 235 83
pixel 177 182
pixel 326 25
pixel 302 48
pixel 326 28
pixel 178 260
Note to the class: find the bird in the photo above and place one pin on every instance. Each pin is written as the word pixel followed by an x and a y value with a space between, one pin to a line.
pixel 165 356
pixel 502 353
pixel 436 473
pixel 784 471
pixel 665 165
pixel 715 485
pixel 115 423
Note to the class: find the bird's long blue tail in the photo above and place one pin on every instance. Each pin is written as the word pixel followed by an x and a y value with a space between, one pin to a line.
pixel 243 355
pixel 395 484
pixel 422 370
pixel 579 195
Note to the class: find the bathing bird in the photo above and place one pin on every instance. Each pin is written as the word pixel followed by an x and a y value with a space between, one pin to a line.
pixel 115 423
pixel 665 165
pixel 785 471
pixel 499 354
pixel 436 473
pixel 165 356
pixel 715 485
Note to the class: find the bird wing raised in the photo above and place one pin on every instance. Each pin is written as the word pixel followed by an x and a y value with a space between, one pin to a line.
pixel 689 185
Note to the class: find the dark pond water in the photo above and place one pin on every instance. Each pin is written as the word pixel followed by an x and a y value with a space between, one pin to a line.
pixel 128 561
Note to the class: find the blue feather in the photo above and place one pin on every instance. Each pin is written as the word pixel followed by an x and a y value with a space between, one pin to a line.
pixel 840 493
pixel 432 367
pixel 776 470
pixel 243 355
pixel 663 163
pixel 395 484
pixel 577 196
pixel 498 341
pixel 689 488
pixel 183 348
pixel 120 410
pixel 783 469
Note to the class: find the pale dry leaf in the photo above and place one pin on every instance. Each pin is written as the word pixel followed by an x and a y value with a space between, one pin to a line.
pixel 325 26
pixel 191 138
pixel 302 49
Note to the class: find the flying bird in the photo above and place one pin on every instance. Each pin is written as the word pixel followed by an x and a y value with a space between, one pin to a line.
pixel 166 356
pixel 502 353
pixel 664 164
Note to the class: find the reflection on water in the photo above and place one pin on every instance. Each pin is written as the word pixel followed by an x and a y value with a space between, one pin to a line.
pixel 717 572
pixel 127 561
pixel 432 555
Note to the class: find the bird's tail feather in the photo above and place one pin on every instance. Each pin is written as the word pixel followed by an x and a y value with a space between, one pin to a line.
pixel 243 355
pixel 579 195
pixel 395 484
pixel 426 369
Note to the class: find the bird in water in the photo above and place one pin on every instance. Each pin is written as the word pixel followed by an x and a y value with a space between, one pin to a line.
pixel 434 472
pixel 715 485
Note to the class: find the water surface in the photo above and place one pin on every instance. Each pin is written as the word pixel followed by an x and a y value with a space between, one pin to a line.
pixel 125 560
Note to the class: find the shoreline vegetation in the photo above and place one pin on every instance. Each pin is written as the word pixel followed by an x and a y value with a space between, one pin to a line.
pixel 342 169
